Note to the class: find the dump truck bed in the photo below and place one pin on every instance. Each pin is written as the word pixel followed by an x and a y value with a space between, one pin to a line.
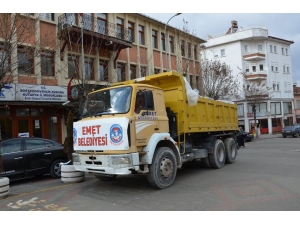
pixel 207 115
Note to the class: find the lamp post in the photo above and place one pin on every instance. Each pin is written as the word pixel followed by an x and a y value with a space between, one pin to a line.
pixel 177 14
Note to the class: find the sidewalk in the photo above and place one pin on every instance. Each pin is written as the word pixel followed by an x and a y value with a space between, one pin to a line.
pixel 268 136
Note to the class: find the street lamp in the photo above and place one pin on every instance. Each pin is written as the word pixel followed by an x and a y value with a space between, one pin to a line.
pixel 177 14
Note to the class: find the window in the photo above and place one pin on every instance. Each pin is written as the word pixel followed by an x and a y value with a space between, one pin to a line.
pixel 282 51
pixel 47 64
pixel 215 53
pixel 275 108
pixel 163 42
pixel 247 68
pixel 245 48
pixel 103 71
pixel 182 48
pixel 154 38
pixel 11 146
pixel 276 68
pixel 144 101
pixel 222 52
pixel 25 60
pixel 287 107
pixel 261 67
pixel 283 69
pixel 102 23
pixel 287 69
pixel 253 68
pixel 4 59
pixel 131 31
pixel 121 72
pixel 259 48
pixel 171 40
pixel 88 68
pixel 275 50
pixel 286 51
pixel 32 144
pixel 141 35
pixel 73 66
pixel 143 71
pixel 87 21
pixel 120 28
pixel 259 107
pixel 47 16
pixel 272 68
pixel 189 50
pixel 240 110
pixel 277 87
pixel 297 104
pixel 132 72
pixel 274 86
pixel 271 48
pixel 195 52
pixel 156 71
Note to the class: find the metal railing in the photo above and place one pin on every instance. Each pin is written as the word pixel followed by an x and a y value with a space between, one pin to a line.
pixel 94 24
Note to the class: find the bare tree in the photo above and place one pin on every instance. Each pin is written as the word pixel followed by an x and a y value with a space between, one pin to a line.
pixel 217 82
pixel 20 43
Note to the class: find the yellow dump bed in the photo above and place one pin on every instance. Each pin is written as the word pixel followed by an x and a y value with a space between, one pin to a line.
pixel 206 116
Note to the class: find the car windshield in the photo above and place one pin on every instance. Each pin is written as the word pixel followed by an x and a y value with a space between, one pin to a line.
pixel 106 102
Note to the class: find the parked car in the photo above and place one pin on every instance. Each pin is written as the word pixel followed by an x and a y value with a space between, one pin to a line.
pixel 247 135
pixel 29 156
pixel 293 131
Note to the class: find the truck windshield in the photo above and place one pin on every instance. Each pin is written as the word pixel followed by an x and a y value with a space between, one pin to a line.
pixel 106 102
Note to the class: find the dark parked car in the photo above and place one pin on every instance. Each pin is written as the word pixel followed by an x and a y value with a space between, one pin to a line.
pixel 293 131
pixel 29 156
pixel 247 135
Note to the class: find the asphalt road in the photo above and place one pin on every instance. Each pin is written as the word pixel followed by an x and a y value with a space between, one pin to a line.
pixel 265 177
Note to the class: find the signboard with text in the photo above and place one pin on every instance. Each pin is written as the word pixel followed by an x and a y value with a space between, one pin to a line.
pixel 36 93
pixel 101 134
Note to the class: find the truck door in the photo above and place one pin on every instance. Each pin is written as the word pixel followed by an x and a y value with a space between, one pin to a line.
pixel 146 120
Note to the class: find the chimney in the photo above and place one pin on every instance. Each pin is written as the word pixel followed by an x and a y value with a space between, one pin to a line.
pixel 234 24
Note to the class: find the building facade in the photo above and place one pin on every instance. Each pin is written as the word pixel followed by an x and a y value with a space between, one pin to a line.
pixel 254 56
pixel 297 103
pixel 72 54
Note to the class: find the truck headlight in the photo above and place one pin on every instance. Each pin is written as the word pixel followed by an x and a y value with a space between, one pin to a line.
pixel 76 159
pixel 121 160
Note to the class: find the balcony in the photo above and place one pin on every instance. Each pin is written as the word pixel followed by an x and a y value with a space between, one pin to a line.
pixel 259 75
pixel 96 32
pixel 254 56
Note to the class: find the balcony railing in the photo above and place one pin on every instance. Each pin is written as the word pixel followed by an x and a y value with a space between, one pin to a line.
pixel 258 75
pixel 254 55
pixel 93 24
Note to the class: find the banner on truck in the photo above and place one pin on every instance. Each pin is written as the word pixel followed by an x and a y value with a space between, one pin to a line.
pixel 101 134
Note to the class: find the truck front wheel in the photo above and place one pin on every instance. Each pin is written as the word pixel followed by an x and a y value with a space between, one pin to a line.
pixel 217 158
pixel 162 171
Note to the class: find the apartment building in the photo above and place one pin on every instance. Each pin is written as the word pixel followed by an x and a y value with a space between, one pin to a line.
pixel 296 103
pixel 255 56
pixel 72 54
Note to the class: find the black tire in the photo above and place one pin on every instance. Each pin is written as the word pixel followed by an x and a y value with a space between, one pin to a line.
pixel 106 177
pixel 162 171
pixel 284 136
pixel 217 158
pixel 231 150
pixel 54 169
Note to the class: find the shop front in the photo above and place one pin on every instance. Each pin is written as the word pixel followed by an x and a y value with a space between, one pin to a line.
pixel 32 111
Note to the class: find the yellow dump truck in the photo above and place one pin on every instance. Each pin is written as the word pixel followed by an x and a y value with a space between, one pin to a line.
pixel 147 126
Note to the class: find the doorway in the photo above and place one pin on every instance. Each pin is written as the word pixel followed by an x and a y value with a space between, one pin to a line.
pixel 30 128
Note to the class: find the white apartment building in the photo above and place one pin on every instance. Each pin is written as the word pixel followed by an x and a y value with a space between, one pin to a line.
pixel 260 57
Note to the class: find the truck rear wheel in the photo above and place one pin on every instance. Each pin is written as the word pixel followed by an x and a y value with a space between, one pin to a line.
pixel 162 171
pixel 231 150
pixel 217 158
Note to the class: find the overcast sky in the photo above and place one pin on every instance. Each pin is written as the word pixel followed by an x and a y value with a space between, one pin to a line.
pixel 280 25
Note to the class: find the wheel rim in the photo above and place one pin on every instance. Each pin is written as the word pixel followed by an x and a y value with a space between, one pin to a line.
pixel 56 169
pixel 221 154
pixel 232 149
pixel 166 168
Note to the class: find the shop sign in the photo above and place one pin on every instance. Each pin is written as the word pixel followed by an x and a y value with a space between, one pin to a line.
pixel 36 93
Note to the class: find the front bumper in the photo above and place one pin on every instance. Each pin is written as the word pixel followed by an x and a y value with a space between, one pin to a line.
pixel 106 164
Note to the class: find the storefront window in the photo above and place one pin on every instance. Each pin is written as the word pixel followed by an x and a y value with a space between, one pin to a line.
pixel 5 128
pixel 37 112
pixel 22 112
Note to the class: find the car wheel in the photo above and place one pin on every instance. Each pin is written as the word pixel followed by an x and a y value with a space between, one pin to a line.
pixel 284 136
pixel 55 170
